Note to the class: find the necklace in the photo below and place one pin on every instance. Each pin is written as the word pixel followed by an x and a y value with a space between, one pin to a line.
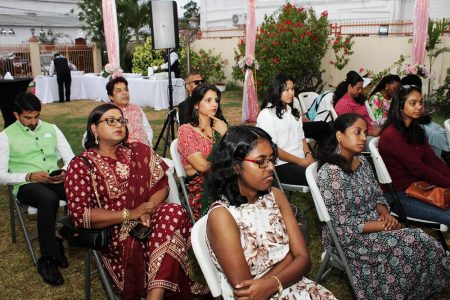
pixel 209 137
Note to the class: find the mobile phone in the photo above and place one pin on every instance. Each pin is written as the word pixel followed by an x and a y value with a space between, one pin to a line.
pixel 141 232
pixel 56 172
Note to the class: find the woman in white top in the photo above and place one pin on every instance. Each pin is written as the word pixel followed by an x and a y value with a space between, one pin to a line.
pixel 283 123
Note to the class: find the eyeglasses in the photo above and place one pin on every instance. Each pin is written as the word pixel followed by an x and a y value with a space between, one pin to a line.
pixel 197 82
pixel 262 163
pixel 113 122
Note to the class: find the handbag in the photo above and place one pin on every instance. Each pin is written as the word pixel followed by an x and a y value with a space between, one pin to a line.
pixel 96 239
pixel 430 194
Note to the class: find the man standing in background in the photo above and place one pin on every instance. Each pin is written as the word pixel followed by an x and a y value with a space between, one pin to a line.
pixel 60 64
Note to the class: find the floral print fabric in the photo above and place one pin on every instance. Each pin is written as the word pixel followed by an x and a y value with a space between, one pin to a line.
pixel 398 264
pixel 265 242
pixel 380 107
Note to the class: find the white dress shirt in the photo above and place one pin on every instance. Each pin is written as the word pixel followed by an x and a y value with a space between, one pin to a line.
pixel 286 132
pixel 62 147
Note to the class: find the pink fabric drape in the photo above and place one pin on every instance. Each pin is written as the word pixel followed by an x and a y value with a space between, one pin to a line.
pixel 250 100
pixel 420 31
pixel 111 32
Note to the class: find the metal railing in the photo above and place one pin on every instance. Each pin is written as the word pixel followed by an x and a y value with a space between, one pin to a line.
pixel 355 28
pixel 221 33
pixel 79 55
pixel 15 59
pixel 364 28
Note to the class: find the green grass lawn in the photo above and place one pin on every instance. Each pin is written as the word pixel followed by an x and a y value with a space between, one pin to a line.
pixel 19 279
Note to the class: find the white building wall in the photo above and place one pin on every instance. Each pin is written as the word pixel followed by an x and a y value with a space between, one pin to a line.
pixel 218 13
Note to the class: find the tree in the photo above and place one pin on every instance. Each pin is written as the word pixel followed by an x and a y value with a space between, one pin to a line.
pixel 131 19
pixel 191 9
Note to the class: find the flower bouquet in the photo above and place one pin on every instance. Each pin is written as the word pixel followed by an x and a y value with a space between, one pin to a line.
pixel 419 70
pixel 111 71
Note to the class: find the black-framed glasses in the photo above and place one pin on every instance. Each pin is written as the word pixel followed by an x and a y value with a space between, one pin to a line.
pixel 262 163
pixel 197 82
pixel 113 122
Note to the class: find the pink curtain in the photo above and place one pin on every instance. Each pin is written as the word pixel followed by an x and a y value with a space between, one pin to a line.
pixel 250 99
pixel 111 32
pixel 420 30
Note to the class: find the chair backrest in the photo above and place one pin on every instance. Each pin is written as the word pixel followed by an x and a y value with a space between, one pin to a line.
pixel 326 105
pixel 311 177
pixel 298 105
pixel 447 129
pixel 306 100
pixel 173 197
pixel 369 110
pixel 201 251
pixel 177 159
pixel 380 167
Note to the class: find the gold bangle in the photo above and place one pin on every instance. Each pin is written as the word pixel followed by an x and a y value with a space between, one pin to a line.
pixel 126 216
pixel 280 286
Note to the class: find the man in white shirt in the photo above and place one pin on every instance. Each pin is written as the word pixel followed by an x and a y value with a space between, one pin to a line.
pixel 30 150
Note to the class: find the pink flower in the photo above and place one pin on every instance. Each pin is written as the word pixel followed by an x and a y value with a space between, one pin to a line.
pixel 324 14
pixel 414 70
pixel 361 70
pixel 407 69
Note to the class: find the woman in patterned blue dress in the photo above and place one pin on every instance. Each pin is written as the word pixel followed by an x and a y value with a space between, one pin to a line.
pixel 387 261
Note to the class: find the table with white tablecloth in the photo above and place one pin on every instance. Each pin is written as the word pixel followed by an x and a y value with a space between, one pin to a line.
pixel 143 92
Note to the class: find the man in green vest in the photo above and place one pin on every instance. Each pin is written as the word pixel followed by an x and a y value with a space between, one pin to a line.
pixel 32 148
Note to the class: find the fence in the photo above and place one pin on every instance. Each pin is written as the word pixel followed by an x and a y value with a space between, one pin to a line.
pixel 79 55
pixel 15 58
pixel 401 28
pixel 355 28
pixel 222 33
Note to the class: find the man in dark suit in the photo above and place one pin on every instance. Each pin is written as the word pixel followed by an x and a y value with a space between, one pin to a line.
pixel 60 64
pixel 191 81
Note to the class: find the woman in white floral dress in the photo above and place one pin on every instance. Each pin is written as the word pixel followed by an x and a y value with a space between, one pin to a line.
pixel 253 235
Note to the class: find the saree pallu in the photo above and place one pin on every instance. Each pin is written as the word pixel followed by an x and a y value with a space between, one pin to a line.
pixel 195 185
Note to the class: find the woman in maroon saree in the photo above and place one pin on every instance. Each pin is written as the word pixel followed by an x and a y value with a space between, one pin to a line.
pixel 132 186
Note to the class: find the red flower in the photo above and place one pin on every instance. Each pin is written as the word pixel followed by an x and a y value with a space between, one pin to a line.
pixel 336 42
pixel 275 43
pixel 265 48
pixel 262 30
pixel 309 33
pixel 324 14
pixel 294 40
pixel 301 9
pixel 275 60
pixel 302 35
pixel 315 38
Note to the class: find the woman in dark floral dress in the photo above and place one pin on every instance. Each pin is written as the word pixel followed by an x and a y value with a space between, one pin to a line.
pixel 387 260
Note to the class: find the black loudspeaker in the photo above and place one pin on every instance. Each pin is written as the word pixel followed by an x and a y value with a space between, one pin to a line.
pixel 164 24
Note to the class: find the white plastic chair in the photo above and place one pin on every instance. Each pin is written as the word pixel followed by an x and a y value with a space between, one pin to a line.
pixel 201 251
pixel 333 256
pixel 447 129
pixel 326 106
pixel 181 174
pixel 306 99
pixel 173 197
pixel 385 178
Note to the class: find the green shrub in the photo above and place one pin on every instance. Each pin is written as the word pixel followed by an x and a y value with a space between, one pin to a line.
pixel 209 65
pixel 292 40
pixel 442 97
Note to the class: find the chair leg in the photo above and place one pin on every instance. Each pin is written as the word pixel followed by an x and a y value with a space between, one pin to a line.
pixel 104 277
pixel 87 275
pixel 323 265
pixel 25 232
pixel 12 219
pixel 442 240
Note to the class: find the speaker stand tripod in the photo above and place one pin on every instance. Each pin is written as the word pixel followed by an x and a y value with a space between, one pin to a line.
pixel 168 131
